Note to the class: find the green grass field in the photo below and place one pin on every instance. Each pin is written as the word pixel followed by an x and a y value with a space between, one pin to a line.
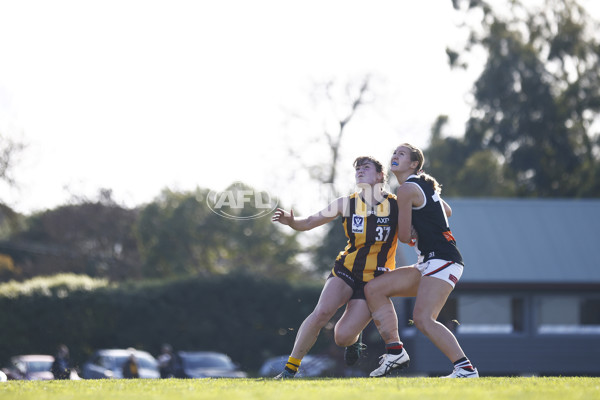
pixel 543 388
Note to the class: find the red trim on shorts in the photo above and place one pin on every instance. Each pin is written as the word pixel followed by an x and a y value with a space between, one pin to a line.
pixel 440 268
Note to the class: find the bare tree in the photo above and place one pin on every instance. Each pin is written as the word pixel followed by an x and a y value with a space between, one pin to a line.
pixel 334 139
pixel 332 110
pixel 9 149
pixel 334 106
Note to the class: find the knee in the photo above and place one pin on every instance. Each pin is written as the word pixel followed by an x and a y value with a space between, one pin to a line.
pixel 320 316
pixel 370 291
pixel 422 322
pixel 343 339
pixel 376 291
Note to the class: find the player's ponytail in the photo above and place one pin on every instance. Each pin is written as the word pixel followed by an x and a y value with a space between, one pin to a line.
pixel 417 155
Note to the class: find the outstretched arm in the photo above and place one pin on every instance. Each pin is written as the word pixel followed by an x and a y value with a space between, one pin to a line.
pixel 305 224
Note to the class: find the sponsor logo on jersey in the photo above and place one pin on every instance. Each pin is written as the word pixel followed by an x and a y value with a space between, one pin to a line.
pixel 358 224
pixel 453 278
pixel 345 275
pixel 448 236
pixel 385 220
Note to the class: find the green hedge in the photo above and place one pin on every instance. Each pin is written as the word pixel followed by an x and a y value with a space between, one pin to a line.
pixel 246 317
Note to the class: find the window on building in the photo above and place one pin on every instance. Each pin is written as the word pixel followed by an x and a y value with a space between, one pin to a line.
pixel 406 306
pixel 478 314
pixel 518 314
pixel 449 314
pixel 590 312
pixel 567 314
pixel 491 314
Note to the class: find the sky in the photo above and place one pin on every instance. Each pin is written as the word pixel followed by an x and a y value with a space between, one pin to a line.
pixel 139 96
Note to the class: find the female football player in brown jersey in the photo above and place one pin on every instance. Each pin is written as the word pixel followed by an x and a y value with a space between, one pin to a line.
pixel 369 217
pixel 431 280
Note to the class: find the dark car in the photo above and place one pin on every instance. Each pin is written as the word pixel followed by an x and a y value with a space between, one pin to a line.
pixel 31 367
pixel 312 365
pixel 108 363
pixel 207 364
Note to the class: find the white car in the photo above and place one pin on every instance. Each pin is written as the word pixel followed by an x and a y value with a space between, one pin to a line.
pixel 30 367
pixel 108 364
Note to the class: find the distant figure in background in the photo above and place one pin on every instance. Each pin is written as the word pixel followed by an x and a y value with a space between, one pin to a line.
pixel 130 367
pixel 167 361
pixel 60 367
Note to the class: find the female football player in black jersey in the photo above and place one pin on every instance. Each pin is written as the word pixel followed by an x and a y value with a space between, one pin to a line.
pixel 369 218
pixel 421 210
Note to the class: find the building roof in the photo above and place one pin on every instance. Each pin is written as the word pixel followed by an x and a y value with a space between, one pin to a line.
pixel 528 241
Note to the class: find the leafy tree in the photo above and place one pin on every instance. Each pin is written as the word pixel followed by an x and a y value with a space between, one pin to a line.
pixel 178 234
pixel 88 237
pixel 465 170
pixel 444 158
pixel 10 221
pixel 537 97
pixel 8 270
pixel 482 173
pixel 173 236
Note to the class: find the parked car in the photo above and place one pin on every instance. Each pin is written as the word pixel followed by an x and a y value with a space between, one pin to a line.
pixel 312 365
pixel 207 364
pixel 108 363
pixel 30 367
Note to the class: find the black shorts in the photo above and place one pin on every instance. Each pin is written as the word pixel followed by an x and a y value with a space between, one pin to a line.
pixel 358 286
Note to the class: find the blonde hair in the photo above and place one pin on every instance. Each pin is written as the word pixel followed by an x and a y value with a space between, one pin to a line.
pixel 417 155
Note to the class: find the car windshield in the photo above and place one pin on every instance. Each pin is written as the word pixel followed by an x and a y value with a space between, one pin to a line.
pixel 206 361
pixel 38 366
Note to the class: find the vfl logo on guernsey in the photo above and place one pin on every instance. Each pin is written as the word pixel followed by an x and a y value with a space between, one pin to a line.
pixel 358 224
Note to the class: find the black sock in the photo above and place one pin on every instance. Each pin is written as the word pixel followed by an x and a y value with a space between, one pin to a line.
pixel 465 364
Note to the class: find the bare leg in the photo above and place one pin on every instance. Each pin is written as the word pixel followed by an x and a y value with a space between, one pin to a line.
pixel 355 319
pixel 334 295
pixel 400 282
pixel 432 296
